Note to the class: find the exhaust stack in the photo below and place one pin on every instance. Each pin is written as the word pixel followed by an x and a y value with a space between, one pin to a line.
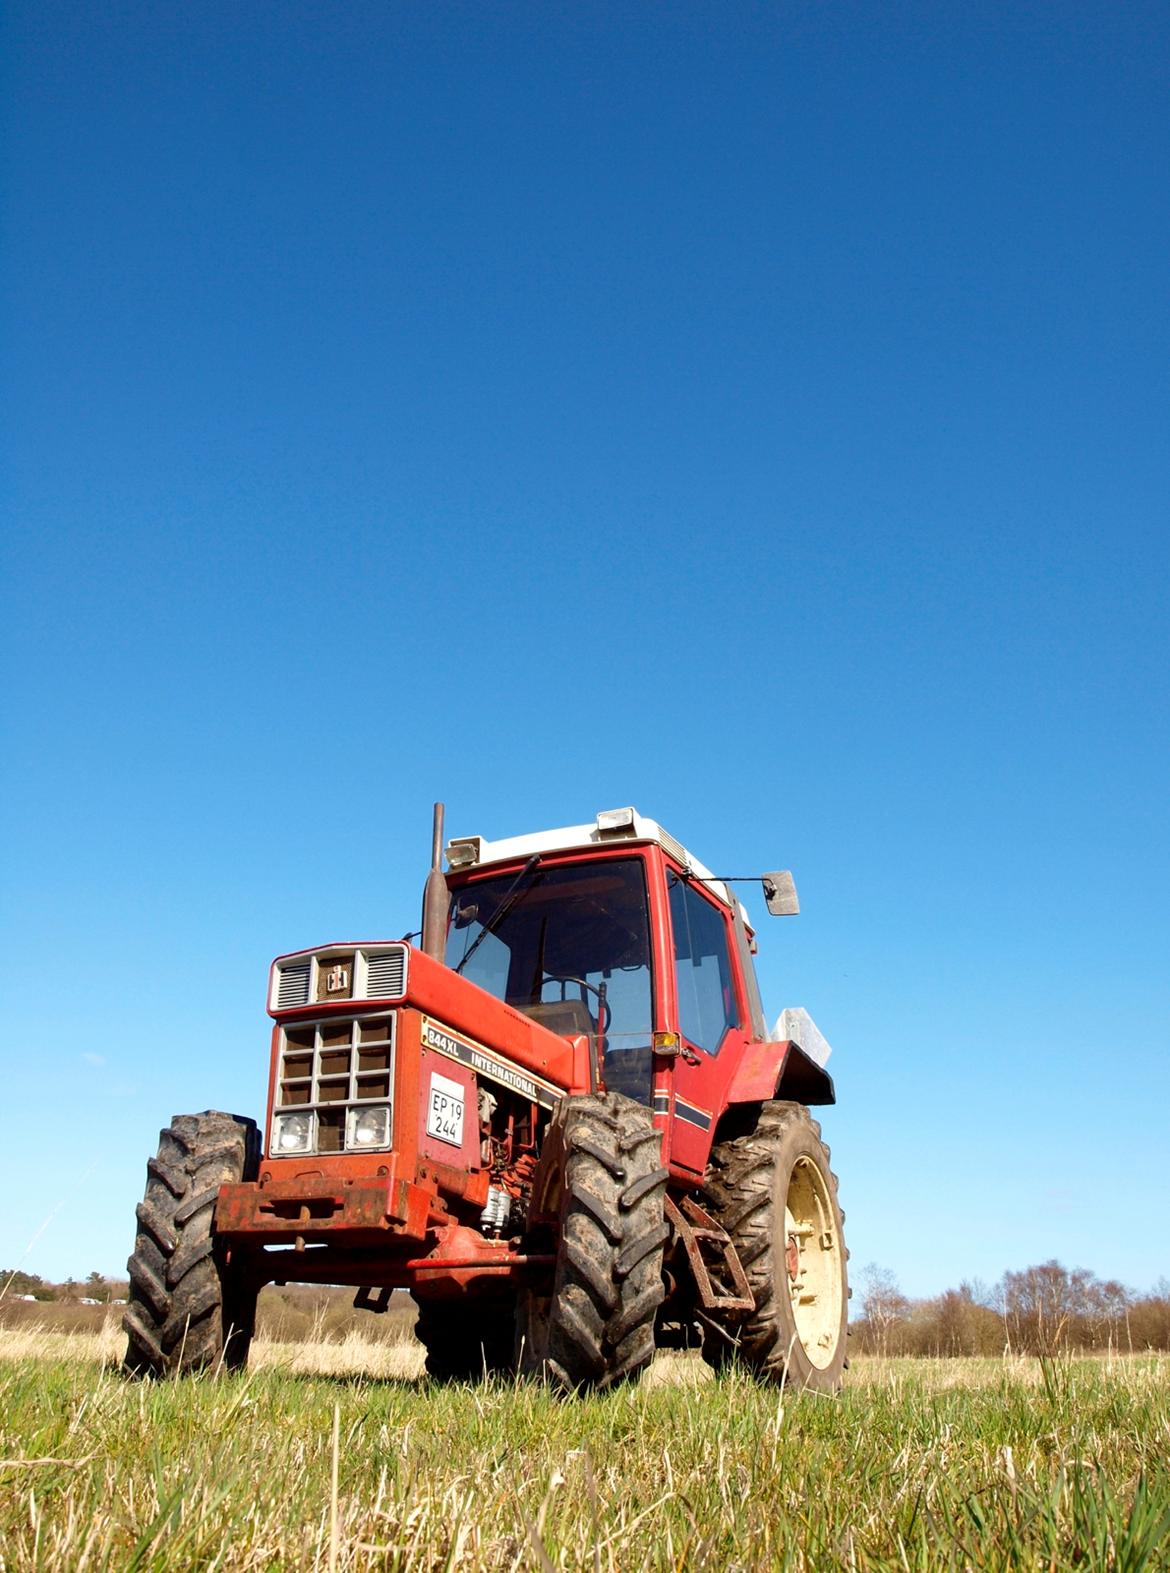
pixel 434 908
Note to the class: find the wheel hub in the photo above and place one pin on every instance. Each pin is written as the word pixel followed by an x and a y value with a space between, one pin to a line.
pixel 792 1258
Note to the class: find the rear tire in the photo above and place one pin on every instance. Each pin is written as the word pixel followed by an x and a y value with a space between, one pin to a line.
pixel 601 1178
pixel 774 1193
pixel 188 1309
pixel 466 1339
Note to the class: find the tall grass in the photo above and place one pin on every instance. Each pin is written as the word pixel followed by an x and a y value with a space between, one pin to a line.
pixel 917 1466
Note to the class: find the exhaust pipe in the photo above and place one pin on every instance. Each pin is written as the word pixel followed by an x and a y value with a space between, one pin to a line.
pixel 435 898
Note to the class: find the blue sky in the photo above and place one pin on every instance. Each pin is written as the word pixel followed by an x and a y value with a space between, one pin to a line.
pixel 757 414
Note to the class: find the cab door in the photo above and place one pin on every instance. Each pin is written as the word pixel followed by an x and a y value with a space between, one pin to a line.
pixel 711 1018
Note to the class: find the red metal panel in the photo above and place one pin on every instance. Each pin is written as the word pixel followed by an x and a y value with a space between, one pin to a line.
pixel 313 1208
pixel 273 1073
pixel 339 1168
pixel 699 1081
pixel 457 1003
pixel 459 1256
pixel 467 1151
pixel 453 1260
pixel 757 1073
pixel 440 992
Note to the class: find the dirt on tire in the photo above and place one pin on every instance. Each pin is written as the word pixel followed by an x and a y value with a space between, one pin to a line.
pixel 602 1177
pixel 747 1189
pixel 186 1311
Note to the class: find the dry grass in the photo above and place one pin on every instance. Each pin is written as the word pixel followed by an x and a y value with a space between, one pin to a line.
pixel 349 1356
pixel 919 1465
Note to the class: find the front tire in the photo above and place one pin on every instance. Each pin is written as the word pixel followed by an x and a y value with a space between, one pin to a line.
pixel 188 1308
pixel 601 1179
pixel 774 1193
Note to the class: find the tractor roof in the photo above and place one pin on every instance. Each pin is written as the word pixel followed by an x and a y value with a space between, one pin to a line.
pixel 612 826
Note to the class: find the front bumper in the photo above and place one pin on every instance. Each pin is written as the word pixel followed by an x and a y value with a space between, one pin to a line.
pixel 321 1208
pixel 414 1247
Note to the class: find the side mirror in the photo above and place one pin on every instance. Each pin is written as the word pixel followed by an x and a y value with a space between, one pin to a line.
pixel 780 894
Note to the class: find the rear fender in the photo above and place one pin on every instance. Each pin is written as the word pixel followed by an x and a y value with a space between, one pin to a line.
pixel 779 1070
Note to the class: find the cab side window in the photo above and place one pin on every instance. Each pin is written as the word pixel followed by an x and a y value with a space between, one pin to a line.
pixel 702 967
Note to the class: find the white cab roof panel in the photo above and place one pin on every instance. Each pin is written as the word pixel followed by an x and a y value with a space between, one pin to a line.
pixel 612 827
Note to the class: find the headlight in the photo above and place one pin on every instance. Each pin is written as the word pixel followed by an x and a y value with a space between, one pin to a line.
pixel 292 1133
pixel 368 1128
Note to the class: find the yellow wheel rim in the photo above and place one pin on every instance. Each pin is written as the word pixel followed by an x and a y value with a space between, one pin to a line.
pixel 813 1262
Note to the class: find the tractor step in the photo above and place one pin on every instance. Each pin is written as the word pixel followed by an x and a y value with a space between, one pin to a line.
pixel 696 1228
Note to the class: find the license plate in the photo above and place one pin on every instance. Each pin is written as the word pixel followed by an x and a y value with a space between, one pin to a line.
pixel 445 1110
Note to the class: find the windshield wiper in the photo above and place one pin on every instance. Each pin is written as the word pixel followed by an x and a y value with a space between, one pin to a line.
pixel 518 889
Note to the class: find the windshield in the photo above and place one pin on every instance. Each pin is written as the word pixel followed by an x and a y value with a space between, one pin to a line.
pixel 571 937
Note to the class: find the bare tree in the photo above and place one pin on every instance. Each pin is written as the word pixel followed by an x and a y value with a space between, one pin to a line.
pixel 884 1304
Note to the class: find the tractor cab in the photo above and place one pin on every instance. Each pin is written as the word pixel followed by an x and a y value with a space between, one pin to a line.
pixel 615 931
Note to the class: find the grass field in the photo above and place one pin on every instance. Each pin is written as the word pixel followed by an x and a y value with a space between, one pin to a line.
pixel 919 1465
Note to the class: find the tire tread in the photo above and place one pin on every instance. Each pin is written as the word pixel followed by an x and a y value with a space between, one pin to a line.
pixel 608 1283
pixel 184 1313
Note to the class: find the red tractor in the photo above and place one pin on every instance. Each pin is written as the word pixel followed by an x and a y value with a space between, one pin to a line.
pixel 560 1122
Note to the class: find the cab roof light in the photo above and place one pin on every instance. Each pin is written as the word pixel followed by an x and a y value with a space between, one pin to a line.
pixel 615 821
pixel 465 851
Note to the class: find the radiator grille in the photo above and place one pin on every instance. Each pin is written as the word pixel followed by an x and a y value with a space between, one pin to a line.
pixel 328 1067
pixel 293 986
pixel 386 974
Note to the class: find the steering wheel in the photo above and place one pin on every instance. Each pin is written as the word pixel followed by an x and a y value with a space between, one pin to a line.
pixel 590 988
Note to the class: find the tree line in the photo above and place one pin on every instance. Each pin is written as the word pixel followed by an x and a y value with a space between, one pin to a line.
pixel 93 1289
pixel 1047 1309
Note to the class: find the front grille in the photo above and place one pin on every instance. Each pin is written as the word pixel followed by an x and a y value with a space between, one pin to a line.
pixel 386 974
pixel 339 976
pixel 329 1067
pixel 292 987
